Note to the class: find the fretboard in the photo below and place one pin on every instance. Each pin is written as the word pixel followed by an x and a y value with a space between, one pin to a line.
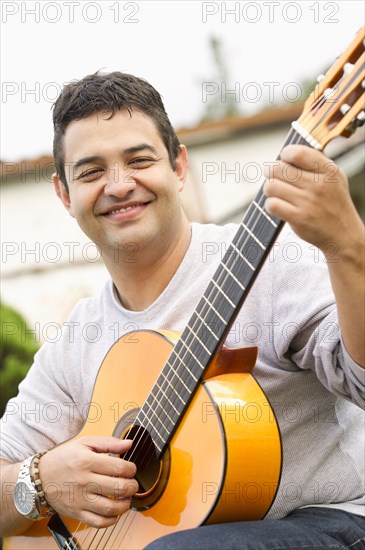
pixel 211 320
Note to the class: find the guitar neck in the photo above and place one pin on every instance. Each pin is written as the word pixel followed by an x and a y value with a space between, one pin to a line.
pixel 212 319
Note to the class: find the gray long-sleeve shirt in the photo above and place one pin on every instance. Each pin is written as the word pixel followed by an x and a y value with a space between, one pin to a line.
pixel 315 388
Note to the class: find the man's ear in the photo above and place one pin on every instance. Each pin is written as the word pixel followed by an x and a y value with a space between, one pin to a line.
pixel 182 166
pixel 62 193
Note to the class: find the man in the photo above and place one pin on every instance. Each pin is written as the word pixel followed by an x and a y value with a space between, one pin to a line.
pixel 120 169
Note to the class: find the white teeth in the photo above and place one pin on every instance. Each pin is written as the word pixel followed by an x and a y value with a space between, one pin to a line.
pixel 124 209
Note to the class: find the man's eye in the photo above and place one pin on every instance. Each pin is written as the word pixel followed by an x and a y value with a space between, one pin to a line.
pixel 90 174
pixel 141 162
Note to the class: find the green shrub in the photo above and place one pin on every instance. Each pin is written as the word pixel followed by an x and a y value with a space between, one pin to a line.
pixel 17 348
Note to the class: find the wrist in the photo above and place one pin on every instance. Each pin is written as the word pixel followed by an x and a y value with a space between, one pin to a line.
pixel 29 497
pixel 37 480
pixel 349 246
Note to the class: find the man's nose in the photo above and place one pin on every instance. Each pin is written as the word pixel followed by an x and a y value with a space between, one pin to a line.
pixel 120 180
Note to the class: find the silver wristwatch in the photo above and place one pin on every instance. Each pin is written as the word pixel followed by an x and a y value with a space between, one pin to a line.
pixel 26 498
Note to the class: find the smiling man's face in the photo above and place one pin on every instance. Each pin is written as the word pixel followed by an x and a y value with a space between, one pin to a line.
pixel 122 188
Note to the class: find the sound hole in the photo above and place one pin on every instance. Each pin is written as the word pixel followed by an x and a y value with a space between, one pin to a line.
pixel 152 472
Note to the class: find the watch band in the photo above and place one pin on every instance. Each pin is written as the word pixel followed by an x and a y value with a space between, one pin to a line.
pixel 25 467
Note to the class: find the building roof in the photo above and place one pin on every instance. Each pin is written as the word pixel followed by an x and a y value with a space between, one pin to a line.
pixel 215 130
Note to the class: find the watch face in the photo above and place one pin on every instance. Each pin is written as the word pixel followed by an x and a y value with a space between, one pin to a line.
pixel 23 498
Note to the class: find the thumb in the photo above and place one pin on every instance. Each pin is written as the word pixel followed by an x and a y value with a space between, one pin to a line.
pixel 106 444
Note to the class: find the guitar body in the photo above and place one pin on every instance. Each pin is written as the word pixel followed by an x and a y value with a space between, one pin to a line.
pixel 222 464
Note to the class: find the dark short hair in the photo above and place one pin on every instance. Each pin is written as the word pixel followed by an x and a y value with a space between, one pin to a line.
pixel 109 92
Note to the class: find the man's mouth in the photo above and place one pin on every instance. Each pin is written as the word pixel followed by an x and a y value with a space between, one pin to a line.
pixel 126 208
pixel 118 212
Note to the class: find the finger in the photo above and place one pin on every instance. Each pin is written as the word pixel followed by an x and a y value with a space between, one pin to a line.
pixel 104 513
pixel 107 507
pixel 113 466
pixel 306 158
pixel 95 520
pixel 113 486
pixel 108 444
pixel 283 191
pixel 285 172
pixel 282 209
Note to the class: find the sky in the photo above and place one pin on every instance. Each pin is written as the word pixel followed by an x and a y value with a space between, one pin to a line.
pixel 270 48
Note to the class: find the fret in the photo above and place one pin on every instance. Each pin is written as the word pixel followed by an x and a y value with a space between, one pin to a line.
pixel 178 379
pixel 231 274
pixel 223 293
pixel 243 257
pixel 208 327
pixel 149 420
pixel 259 224
pixel 196 359
pixel 173 388
pixel 232 285
pixel 213 308
pixel 197 338
pixel 159 387
pixel 261 245
pixel 264 214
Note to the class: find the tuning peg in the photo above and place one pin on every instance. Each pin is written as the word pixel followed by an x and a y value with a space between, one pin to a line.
pixel 320 77
pixel 328 92
pixel 360 118
pixel 347 68
pixel 344 108
pixel 357 122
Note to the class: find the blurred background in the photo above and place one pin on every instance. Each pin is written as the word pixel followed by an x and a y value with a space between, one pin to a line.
pixel 233 76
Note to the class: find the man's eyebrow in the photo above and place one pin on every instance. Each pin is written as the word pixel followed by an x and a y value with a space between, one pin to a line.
pixel 138 148
pixel 86 160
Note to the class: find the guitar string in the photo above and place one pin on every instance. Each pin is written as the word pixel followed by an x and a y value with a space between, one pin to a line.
pixel 320 100
pixel 298 138
pixel 330 108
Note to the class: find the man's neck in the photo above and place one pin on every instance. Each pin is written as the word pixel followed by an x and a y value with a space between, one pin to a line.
pixel 139 284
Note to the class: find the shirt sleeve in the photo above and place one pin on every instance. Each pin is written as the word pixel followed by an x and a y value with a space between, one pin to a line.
pixel 45 412
pixel 308 332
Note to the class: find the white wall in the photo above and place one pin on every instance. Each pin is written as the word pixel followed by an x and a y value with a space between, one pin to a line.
pixel 47 262
pixel 229 173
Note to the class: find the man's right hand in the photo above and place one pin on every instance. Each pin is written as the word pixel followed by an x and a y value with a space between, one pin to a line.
pixel 82 481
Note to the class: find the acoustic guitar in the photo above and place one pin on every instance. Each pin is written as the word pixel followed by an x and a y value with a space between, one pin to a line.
pixel 205 439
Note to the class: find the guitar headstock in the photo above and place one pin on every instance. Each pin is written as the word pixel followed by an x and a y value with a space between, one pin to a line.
pixel 336 107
